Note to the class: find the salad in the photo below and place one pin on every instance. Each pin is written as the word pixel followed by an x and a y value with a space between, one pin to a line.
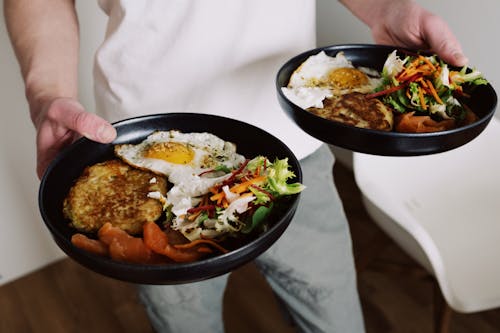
pixel 426 87
pixel 240 203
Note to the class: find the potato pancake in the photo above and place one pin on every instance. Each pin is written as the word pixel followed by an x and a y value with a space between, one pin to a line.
pixel 114 192
pixel 356 110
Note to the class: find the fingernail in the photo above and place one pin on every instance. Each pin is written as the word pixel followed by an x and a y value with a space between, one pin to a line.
pixel 460 58
pixel 106 133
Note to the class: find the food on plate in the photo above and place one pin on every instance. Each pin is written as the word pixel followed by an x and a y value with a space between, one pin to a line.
pixel 115 192
pixel 164 242
pixel 215 196
pixel 427 89
pixel 321 76
pixel 176 154
pixel 239 203
pixel 357 110
pixel 410 123
pixel 156 246
pixel 184 158
pixel 118 245
pixel 94 246
pixel 422 93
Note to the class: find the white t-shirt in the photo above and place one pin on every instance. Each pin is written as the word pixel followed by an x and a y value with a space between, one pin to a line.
pixel 205 56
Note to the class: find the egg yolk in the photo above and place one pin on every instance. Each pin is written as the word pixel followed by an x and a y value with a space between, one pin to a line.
pixel 173 152
pixel 347 78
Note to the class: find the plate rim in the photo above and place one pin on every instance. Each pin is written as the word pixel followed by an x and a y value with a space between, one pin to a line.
pixel 245 251
pixel 390 134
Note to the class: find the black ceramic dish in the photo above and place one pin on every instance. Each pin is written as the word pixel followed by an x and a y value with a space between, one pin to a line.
pixel 67 167
pixel 483 102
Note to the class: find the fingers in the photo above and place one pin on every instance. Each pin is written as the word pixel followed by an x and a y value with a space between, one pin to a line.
pixel 412 26
pixel 45 154
pixel 442 41
pixel 60 122
pixel 71 115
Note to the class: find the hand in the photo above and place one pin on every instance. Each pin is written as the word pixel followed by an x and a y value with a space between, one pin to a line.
pixel 407 24
pixel 59 122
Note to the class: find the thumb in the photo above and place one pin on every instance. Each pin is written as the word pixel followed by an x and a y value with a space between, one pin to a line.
pixel 443 42
pixel 73 116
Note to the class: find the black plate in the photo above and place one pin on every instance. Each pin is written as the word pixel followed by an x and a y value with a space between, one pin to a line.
pixel 483 102
pixel 67 167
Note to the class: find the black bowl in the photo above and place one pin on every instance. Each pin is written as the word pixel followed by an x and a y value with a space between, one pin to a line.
pixel 67 167
pixel 483 102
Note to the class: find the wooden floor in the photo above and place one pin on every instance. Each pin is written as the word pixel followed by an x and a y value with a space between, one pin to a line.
pixel 396 294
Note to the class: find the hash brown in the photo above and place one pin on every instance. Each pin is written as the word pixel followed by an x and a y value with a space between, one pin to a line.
pixel 114 192
pixel 356 110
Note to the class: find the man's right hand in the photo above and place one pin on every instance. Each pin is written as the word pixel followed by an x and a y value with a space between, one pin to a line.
pixel 59 122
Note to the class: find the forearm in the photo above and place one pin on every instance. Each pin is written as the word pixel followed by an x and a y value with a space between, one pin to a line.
pixel 370 11
pixel 44 35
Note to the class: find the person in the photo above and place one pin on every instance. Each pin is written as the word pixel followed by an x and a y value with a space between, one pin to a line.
pixel 217 57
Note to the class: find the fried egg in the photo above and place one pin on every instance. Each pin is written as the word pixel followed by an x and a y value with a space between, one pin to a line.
pixel 321 76
pixel 183 158
pixel 168 152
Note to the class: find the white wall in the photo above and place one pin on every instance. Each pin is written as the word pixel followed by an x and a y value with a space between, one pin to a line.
pixel 25 244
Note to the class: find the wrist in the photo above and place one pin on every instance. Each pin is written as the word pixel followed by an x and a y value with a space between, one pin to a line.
pixel 40 94
pixel 375 12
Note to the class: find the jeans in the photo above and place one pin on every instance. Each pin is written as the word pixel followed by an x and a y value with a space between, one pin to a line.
pixel 310 268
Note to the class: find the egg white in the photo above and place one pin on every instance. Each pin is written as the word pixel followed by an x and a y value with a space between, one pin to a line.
pixel 313 72
pixel 187 179
pixel 209 152
pixel 310 83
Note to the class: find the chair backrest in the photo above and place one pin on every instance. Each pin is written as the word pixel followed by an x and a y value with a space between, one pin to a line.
pixel 450 204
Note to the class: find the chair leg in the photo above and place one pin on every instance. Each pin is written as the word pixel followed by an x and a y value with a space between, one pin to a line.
pixel 442 312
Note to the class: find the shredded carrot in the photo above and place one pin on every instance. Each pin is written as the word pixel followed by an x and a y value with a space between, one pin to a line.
pixel 201 241
pixel 425 70
pixel 218 197
pixel 421 97
pixel 239 188
pixel 409 70
pixel 406 75
pixel 385 92
pixel 422 82
pixel 421 66
pixel 410 78
pixel 434 92
pixel 415 62
pixel 429 63
pixel 257 171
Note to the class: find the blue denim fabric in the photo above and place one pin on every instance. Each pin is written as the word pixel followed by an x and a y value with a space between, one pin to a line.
pixel 310 268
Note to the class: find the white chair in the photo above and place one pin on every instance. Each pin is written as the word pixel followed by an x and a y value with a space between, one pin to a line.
pixel 444 211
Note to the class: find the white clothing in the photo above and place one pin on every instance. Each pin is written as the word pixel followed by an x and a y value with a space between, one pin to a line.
pixel 204 56
pixel 221 57
pixel 310 269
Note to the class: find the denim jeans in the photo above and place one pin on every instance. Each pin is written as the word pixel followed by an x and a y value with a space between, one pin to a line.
pixel 310 268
